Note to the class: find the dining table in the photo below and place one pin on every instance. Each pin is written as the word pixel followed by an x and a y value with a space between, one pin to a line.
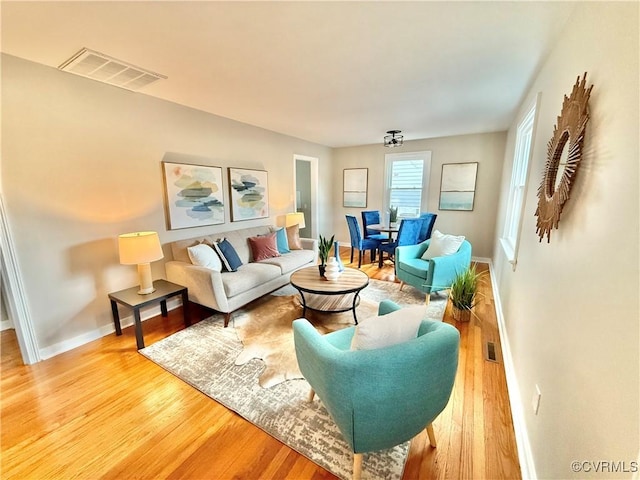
pixel 389 228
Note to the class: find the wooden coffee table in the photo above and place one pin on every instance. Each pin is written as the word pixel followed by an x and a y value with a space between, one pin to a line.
pixel 321 295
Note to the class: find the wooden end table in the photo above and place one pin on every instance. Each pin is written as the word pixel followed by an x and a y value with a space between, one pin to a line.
pixel 131 299
pixel 321 295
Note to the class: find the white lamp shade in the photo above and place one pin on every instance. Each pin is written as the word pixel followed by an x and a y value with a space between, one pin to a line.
pixel 139 247
pixel 296 218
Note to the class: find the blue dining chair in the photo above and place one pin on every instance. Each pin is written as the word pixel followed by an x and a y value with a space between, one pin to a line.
pixel 371 217
pixel 428 219
pixel 357 241
pixel 407 235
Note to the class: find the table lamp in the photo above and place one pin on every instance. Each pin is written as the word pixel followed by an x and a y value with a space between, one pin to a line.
pixel 296 218
pixel 141 248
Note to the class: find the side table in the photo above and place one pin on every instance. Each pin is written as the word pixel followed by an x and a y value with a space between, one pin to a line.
pixel 131 299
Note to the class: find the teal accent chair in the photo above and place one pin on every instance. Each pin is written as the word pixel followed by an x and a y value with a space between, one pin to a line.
pixel 430 275
pixel 383 397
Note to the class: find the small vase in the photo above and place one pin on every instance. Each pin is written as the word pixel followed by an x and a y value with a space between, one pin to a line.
pixel 332 271
pixel 336 251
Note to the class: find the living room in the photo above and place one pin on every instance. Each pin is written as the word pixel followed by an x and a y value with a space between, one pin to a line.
pixel 81 164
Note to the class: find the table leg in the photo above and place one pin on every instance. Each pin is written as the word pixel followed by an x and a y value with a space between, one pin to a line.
pixel 304 304
pixel 355 303
pixel 163 308
pixel 138 326
pixel 185 309
pixel 116 317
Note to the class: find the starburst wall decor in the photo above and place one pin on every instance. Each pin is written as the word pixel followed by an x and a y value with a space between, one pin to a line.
pixel 564 153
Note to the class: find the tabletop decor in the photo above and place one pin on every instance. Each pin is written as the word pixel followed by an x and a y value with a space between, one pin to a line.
pixel 564 153
pixel 193 195
pixel 324 247
pixel 458 186
pixel 249 193
pixel 393 214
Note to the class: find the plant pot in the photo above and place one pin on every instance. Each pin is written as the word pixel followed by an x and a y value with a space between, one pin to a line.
pixel 322 268
pixel 461 314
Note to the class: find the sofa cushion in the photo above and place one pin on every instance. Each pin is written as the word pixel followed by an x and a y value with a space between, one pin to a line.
pixel 442 245
pixel 227 255
pixel 293 237
pixel 204 255
pixel 263 247
pixel 291 261
pixel 390 329
pixel 281 240
pixel 248 276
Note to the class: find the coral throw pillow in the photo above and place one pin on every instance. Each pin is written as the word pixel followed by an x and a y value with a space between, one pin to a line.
pixel 264 247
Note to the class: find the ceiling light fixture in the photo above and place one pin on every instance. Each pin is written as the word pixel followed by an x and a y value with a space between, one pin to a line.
pixel 393 139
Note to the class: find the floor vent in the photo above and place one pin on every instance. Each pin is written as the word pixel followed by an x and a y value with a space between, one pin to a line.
pixel 491 352
pixel 101 67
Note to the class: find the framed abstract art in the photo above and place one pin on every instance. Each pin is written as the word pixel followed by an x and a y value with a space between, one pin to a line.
pixel 193 195
pixel 248 194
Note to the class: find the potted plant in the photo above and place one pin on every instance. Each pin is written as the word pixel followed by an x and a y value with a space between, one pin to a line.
pixel 463 293
pixel 324 247
pixel 393 214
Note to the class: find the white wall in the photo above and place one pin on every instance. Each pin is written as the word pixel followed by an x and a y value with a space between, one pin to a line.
pixel 82 164
pixel 478 225
pixel 571 306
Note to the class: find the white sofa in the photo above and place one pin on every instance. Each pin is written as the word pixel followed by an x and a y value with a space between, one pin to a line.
pixel 227 291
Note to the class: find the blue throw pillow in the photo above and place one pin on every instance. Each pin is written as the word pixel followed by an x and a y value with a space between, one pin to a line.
pixel 227 255
pixel 281 241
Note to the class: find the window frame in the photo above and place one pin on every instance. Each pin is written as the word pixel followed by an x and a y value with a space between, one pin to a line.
pixel 521 168
pixel 389 160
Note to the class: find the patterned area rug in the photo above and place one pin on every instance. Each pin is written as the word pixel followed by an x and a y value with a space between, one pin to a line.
pixel 204 355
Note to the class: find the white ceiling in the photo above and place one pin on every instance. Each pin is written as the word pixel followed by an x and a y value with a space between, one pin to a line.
pixel 336 73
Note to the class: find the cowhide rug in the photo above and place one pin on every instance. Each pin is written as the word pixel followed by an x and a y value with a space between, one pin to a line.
pixel 265 326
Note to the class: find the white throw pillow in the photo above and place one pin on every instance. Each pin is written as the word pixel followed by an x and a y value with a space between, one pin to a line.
pixel 385 330
pixel 442 245
pixel 203 255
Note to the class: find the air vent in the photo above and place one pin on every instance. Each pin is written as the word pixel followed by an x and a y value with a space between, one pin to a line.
pixel 101 67
pixel 490 352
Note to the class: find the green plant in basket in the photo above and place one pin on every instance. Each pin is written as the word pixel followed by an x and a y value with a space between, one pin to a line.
pixel 324 247
pixel 463 293
pixel 393 214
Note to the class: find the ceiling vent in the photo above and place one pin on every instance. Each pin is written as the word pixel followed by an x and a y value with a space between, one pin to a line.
pixel 101 67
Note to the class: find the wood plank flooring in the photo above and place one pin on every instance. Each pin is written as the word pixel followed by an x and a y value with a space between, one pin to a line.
pixel 104 411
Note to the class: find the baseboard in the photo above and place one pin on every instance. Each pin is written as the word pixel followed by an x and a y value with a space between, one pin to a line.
pixel 6 325
pixel 525 455
pixel 481 259
pixel 127 321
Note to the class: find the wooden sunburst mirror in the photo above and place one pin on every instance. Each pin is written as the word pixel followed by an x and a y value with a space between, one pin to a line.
pixel 564 153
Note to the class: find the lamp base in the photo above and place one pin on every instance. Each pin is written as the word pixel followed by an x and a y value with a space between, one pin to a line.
pixel 144 275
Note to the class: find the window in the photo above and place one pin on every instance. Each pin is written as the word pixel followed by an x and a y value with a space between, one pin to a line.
pixel 406 182
pixel 517 189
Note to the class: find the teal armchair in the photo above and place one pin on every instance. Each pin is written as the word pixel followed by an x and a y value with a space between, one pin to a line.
pixel 383 397
pixel 430 275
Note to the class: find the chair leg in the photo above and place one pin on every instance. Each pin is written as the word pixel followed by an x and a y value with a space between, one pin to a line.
pixel 311 395
pixel 359 258
pixel 401 284
pixel 357 466
pixel 427 298
pixel 379 258
pixel 351 255
pixel 373 255
pixel 432 436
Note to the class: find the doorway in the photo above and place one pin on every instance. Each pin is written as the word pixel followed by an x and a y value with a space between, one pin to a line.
pixel 306 198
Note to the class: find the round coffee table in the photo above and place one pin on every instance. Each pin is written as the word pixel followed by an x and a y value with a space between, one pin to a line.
pixel 321 295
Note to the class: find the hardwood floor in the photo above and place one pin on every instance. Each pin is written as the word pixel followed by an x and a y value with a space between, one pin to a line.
pixel 104 411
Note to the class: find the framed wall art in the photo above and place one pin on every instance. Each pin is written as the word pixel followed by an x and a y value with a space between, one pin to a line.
pixel 458 186
pixel 248 194
pixel 354 187
pixel 193 195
